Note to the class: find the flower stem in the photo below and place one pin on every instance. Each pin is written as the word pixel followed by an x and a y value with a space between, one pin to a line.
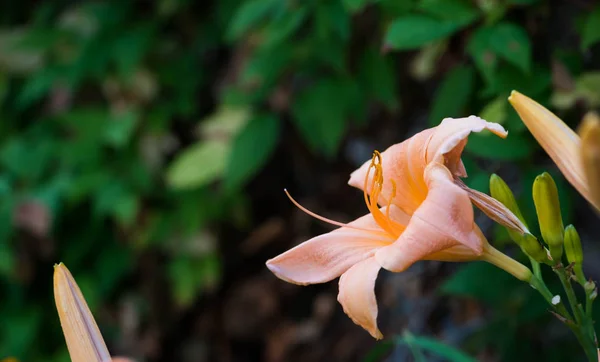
pixel 558 307
pixel 537 271
pixel 506 263
pixel 584 328
pixel 562 275
pixel 586 342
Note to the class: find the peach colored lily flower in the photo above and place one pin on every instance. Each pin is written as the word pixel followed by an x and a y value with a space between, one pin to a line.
pixel 84 341
pixel 561 143
pixel 426 215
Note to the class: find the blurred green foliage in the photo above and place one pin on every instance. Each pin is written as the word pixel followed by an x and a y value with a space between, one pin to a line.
pixel 418 346
pixel 131 126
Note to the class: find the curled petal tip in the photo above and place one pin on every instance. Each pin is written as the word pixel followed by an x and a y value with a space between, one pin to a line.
pixel 84 341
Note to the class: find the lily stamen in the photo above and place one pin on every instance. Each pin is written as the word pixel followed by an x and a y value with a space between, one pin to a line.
pixel 383 220
pixel 327 220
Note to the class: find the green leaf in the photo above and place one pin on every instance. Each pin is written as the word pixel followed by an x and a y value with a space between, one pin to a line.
pixel 378 78
pixel 516 146
pixel 379 351
pixel 449 353
pixel 7 255
pixel 198 165
pixel 266 65
pixel 130 47
pixel 394 8
pixel 458 11
pixel 511 42
pixel 452 95
pixel 591 29
pixel 483 54
pixel 120 127
pixel 331 22
pixel 189 276
pixel 587 87
pixel 355 5
pixel 481 281
pixel 478 179
pixel 322 112
pixel 226 121
pixel 507 77
pixel 248 15
pixel 414 31
pixel 116 200
pixel 27 158
pixel 251 150
pixel 496 110
pixel 25 326
pixel 522 2
pixel 36 87
pixel 284 26
pixel 14 56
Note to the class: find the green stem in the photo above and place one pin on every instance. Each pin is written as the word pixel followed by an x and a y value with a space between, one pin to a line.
pixel 588 305
pixel 585 339
pixel 506 263
pixel 581 330
pixel 588 319
pixel 589 348
pixel 559 307
pixel 584 329
pixel 562 275
pixel 537 271
pixel 578 270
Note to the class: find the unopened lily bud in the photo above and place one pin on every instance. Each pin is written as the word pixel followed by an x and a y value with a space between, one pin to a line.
pixel 573 245
pixel 547 206
pixel 84 341
pixel 532 247
pixel 589 131
pixel 501 192
pixel 574 252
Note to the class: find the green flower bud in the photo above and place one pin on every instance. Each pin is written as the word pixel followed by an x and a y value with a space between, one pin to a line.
pixel 547 206
pixel 573 245
pixel 574 252
pixel 532 247
pixel 501 192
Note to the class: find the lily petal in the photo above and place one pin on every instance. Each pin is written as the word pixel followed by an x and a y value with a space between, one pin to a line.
pixel 460 252
pixel 402 163
pixel 405 162
pixel 444 220
pixel 454 254
pixel 556 138
pixel 84 341
pixel 450 138
pixel 326 257
pixel 357 295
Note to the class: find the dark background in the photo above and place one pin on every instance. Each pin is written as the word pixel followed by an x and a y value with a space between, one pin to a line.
pixel 146 144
